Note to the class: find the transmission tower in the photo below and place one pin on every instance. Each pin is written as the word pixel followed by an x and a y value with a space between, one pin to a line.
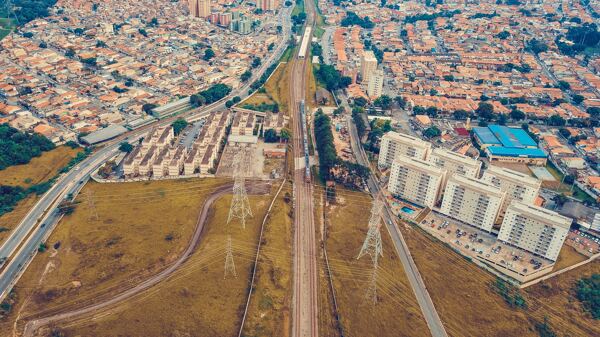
pixel 371 294
pixel 372 245
pixel 91 206
pixel 240 205
pixel 10 9
pixel 229 264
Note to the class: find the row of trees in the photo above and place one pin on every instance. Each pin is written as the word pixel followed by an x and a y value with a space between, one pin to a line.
pixel 18 148
pixel 210 95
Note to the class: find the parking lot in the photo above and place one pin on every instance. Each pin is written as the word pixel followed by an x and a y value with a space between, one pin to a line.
pixel 584 243
pixel 474 243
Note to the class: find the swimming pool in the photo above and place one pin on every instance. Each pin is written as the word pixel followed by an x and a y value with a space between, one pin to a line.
pixel 407 210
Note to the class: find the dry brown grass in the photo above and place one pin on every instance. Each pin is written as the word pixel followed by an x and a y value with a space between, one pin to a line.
pixel 311 85
pixel 10 220
pixel 269 313
pixel 397 313
pixel 39 169
pixel 196 300
pixel 568 256
pixel 277 89
pixel 141 228
pixel 468 306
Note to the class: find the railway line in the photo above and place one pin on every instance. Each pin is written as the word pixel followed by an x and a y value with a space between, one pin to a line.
pixel 305 304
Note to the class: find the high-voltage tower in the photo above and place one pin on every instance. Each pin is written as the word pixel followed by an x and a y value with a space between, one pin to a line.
pixel 240 205
pixel 229 264
pixel 372 245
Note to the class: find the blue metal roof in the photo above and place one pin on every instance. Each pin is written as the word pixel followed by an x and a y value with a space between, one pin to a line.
pixel 516 152
pixel 486 136
pixel 505 136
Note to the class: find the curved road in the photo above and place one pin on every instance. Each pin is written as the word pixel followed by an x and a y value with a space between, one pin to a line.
pixel 33 325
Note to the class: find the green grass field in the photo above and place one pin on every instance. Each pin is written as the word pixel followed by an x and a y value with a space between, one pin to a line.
pixel 6 27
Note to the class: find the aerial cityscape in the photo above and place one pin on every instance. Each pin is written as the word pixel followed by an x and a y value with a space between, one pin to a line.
pixel 299 168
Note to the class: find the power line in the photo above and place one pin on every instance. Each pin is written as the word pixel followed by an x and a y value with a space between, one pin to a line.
pixel 229 264
pixel 240 205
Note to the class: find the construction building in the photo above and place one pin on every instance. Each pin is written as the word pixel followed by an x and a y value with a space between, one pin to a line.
pixel 394 144
pixel 454 163
pixel 534 229
pixel 416 180
pixel 472 201
pixel 368 65
pixel 518 186
pixel 375 84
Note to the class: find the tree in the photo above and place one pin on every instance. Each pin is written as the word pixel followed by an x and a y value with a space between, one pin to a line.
pixel 556 120
pixel 502 119
pixel 503 35
pixel 564 85
pixel 125 147
pixel 285 135
pixel 208 54
pixel 564 132
pixel 352 19
pixel 485 111
pixel 401 101
pixel 236 99
pixel 246 75
pixel 256 62
pixel 229 104
pixel 569 179
pixel 578 99
pixel 147 108
pixel 178 125
pixel 588 292
pixel 536 46
pixel 271 136
pixel 432 132
pixel 560 199
pixel 384 102
pixel 517 115
pixel 460 114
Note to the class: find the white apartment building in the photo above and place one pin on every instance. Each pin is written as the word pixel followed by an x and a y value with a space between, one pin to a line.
pixel 416 180
pixel 368 65
pixel 375 84
pixel 534 229
pixel 472 201
pixel 454 163
pixel 518 186
pixel 394 144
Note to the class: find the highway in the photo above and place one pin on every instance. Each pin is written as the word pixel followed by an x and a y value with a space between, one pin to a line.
pixel 71 182
pixel 305 305
pixel 436 327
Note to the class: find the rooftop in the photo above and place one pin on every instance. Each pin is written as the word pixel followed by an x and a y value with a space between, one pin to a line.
pixel 504 136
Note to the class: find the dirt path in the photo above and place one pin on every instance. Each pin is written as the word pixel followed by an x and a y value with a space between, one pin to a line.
pixel 32 326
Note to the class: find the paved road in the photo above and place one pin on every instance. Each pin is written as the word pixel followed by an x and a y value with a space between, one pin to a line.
pixel 71 182
pixel 431 316
pixel 305 306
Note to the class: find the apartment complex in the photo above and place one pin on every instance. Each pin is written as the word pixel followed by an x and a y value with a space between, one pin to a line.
pixel 472 201
pixel 199 8
pixel 454 163
pixel 159 157
pixel 267 5
pixel 368 65
pixel 534 229
pixel 375 84
pixel 416 180
pixel 394 144
pixel 518 186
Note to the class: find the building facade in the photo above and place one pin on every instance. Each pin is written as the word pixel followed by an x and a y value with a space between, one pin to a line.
pixel 416 181
pixel 518 186
pixel 472 201
pixel 395 144
pixel 534 229
pixel 199 8
pixel 267 5
pixel 368 65
pixel 454 163
pixel 375 85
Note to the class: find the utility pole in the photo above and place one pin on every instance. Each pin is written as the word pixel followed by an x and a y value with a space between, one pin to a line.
pixel 93 213
pixel 240 205
pixel 373 247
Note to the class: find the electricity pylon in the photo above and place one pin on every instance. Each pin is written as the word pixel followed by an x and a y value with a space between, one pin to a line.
pixel 372 245
pixel 229 264
pixel 93 213
pixel 240 205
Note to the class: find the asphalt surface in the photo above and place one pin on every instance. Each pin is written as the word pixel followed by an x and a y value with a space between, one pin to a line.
pixel 431 316
pixel 305 321
pixel 30 232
